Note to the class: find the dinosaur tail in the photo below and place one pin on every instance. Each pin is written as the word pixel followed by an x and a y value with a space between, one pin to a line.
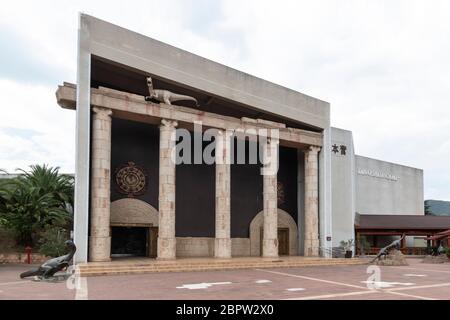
pixel 179 97
pixel 30 273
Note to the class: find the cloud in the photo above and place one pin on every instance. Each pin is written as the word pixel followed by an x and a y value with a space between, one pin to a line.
pixel 383 65
pixel 33 128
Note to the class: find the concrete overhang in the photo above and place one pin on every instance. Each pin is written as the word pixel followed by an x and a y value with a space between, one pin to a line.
pixel 114 43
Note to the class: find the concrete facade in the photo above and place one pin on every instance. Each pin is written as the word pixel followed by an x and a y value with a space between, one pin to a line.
pixel 343 187
pixel 369 186
pixel 388 188
pixel 107 41
pixel 332 182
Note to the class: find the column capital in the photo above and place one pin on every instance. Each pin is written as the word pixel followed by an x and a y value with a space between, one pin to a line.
pixel 105 112
pixel 169 124
pixel 312 149
pixel 270 140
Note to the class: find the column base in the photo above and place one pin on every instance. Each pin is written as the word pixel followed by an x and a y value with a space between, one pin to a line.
pixel 166 248
pixel 99 249
pixel 270 248
pixel 222 248
pixel 311 248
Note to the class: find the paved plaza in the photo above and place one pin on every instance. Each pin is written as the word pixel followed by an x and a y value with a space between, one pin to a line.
pixel 416 281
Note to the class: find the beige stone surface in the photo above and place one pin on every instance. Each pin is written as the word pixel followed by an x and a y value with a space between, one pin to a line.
pixel 205 246
pixel 133 212
pixel 270 202
pixel 195 247
pixel 285 220
pixel 100 237
pixel 134 107
pixel 394 258
pixel 222 246
pixel 240 247
pixel 442 258
pixel 311 241
pixel 22 258
pixel 166 236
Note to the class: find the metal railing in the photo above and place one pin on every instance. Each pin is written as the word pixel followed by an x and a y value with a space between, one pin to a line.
pixel 407 251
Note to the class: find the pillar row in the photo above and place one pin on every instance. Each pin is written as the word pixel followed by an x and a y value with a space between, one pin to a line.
pixel 311 242
pixel 166 233
pixel 100 233
pixel 222 245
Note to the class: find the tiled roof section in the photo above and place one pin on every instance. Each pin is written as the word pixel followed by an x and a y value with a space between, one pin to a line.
pixel 410 222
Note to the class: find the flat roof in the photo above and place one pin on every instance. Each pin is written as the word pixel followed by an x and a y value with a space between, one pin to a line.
pixel 109 41
pixel 403 222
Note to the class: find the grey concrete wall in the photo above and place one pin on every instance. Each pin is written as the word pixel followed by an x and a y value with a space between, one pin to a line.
pixel 343 185
pixel 157 58
pixel 388 188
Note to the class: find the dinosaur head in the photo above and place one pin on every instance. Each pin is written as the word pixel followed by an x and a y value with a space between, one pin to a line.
pixel 70 244
pixel 150 82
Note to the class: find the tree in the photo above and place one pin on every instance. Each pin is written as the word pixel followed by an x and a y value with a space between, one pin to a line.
pixel 36 200
pixel 428 208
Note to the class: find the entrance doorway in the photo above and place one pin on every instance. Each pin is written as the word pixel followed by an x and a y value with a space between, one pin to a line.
pixel 129 241
pixel 283 241
pixel 152 242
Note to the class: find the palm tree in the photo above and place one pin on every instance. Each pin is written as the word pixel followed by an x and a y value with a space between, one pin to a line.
pixel 34 201
pixel 48 180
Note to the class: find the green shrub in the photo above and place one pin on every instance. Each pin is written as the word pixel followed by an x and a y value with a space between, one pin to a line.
pixel 52 242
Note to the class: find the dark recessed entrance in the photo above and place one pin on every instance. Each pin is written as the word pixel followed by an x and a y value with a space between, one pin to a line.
pixel 129 241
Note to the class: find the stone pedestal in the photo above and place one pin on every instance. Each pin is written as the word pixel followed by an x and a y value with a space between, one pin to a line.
pixel 394 258
pixel 100 238
pixel 270 200
pixel 166 233
pixel 222 245
pixel 311 243
pixel 442 258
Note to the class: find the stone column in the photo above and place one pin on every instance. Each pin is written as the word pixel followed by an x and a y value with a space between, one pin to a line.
pixel 166 233
pixel 100 237
pixel 270 199
pixel 222 245
pixel 311 202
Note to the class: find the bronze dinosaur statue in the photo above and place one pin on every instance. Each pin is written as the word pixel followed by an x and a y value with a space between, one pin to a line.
pixel 50 267
pixel 165 96
pixel 385 251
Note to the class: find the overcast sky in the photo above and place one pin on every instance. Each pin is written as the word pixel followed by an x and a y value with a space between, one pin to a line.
pixel 383 65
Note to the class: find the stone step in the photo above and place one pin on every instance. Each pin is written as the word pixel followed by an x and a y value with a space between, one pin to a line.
pixel 211 265
pixel 215 262
pixel 86 270
pixel 330 261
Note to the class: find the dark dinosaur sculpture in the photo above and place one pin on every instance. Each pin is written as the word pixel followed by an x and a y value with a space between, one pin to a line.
pixel 50 267
pixel 385 251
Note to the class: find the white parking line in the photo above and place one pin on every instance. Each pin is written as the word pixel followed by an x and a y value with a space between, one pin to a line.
pixel 263 281
pixel 203 285
pixel 336 295
pixel 313 279
pixel 431 270
pixel 408 295
pixel 393 291
pixel 422 287
pixel 295 289
pixel 15 282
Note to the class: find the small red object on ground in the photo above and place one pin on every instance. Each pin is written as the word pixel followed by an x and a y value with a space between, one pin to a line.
pixel 28 252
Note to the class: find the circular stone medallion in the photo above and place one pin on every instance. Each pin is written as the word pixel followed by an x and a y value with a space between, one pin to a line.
pixel 131 179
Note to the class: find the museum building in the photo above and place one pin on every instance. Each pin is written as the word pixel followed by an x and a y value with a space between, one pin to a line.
pixel 133 96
